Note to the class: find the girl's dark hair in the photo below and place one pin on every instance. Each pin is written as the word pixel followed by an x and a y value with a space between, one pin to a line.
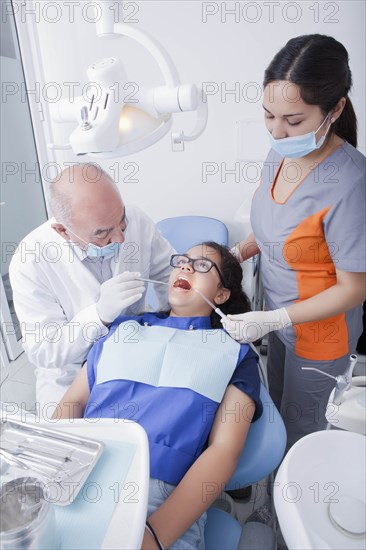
pixel 232 275
pixel 318 64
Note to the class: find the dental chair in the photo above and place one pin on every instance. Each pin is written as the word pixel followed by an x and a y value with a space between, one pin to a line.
pixel 266 441
pixel 183 232
pixel 263 451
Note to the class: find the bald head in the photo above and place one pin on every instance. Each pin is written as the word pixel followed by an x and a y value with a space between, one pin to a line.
pixel 87 206
pixel 83 190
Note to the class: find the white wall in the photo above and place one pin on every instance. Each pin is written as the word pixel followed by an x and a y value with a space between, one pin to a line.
pixel 221 50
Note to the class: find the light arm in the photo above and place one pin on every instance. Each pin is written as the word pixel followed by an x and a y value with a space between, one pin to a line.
pixel 103 136
pixel 164 61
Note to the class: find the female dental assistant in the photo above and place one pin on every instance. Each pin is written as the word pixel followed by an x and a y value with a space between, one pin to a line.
pixel 308 220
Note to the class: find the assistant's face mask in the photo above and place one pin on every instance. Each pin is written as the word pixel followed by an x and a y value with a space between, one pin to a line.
pixel 299 146
pixel 94 251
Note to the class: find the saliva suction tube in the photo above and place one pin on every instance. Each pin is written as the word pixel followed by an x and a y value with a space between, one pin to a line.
pixel 343 381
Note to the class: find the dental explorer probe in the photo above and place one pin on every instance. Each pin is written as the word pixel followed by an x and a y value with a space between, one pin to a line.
pixel 152 281
pixel 214 307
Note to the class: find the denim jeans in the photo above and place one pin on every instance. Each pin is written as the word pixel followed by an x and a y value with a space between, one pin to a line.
pixel 193 539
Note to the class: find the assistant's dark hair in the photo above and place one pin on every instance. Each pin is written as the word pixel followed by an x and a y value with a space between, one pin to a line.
pixel 318 64
pixel 232 275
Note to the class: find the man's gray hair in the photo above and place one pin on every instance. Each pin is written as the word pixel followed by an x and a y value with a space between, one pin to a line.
pixel 60 204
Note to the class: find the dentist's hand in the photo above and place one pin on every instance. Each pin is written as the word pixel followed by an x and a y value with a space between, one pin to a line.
pixel 249 327
pixel 118 293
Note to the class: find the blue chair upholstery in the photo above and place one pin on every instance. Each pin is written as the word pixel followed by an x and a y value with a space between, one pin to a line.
pixel 264 447
pixel 263 451
pixel 183 232
pixel 222 531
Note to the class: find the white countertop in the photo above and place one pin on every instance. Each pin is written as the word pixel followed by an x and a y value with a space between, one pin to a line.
pixel 127 523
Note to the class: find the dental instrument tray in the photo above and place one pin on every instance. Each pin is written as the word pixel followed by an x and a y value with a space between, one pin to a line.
pixel 62 462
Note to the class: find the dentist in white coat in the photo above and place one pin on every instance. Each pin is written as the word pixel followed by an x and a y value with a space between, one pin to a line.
pixel 73 275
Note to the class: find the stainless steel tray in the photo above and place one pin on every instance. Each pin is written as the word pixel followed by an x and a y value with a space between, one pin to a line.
pixel 61 461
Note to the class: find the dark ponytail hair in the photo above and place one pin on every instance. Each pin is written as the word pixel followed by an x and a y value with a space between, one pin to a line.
pixel 318 64
pixel 232 275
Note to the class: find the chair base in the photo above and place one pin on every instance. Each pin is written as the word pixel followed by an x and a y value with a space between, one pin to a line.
pixel 223 532
pixel 257 535
pixel 240 494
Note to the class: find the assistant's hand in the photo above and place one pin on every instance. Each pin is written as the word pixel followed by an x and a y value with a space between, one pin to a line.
pixel 249 327
pixel 118 293
pixel 236 253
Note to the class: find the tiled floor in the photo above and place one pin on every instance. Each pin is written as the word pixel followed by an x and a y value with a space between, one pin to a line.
pixel 18 384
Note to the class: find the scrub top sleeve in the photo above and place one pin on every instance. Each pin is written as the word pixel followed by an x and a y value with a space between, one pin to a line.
pixel 345 230
pixel 246 378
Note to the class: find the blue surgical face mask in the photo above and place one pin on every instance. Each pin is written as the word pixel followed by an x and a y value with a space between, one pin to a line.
pixel 94 251
pixel 298 146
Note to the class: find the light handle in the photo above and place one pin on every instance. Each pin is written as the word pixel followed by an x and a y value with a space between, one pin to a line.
pixel 202 116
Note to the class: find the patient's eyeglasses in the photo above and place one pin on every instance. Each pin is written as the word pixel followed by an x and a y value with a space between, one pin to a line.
pixel 201 265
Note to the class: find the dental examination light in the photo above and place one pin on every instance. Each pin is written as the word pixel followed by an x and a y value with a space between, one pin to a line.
pixel 112 123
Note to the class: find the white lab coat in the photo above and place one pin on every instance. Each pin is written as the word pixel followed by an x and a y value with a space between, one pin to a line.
pixel 55 297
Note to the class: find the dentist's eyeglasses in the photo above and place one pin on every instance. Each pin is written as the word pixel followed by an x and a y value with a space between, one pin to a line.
pixel 201 265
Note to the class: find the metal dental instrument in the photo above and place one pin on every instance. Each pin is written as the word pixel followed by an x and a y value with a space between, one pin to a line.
pixel 214 307
pixel 33 456
pixel 152 281
pixel 27 463
pixel 11 459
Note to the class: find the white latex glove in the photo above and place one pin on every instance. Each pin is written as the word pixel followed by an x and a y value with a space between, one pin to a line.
pixel 249 327
pixel 236 253
pixel 118 293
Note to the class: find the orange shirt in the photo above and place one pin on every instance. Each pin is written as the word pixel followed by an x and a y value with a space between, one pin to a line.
pixel 303 240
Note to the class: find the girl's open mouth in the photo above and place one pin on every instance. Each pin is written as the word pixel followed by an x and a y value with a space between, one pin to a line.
pixel 182 283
